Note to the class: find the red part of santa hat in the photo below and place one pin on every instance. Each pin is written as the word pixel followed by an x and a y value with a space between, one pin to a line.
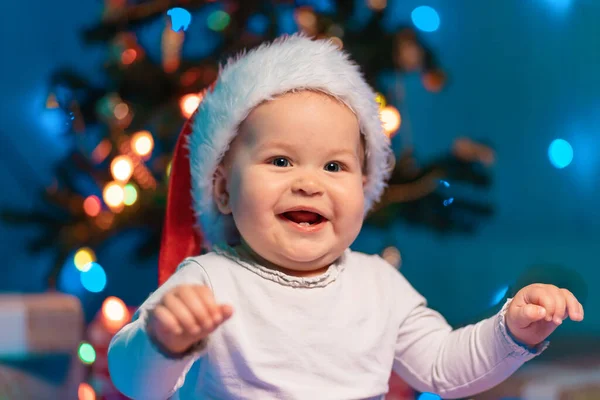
pixel 180 238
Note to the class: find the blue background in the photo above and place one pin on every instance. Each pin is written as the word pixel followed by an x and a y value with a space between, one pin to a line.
pixel 522 74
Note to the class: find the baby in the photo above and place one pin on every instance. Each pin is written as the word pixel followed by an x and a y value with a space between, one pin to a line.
pixel 278 168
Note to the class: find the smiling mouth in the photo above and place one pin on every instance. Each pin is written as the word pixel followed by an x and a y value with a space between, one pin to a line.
pixel 303 218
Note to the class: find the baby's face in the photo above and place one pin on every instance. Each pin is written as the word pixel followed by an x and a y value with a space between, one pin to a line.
pixel 300 151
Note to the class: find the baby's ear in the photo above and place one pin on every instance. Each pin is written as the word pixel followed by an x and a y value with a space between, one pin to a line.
pixel 220 193
pixel 364 180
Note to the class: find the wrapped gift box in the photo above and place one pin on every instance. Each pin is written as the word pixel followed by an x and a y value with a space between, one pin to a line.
pixel 39 338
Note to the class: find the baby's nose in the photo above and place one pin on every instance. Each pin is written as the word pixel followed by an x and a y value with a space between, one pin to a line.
pixel 308 185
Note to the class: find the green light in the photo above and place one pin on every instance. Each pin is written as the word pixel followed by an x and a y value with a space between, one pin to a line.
pixel 218 20
pixel 87 354
pixel 130 194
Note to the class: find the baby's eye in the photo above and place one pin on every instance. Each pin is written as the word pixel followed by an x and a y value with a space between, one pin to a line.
pixel 280 162
pixel 333 167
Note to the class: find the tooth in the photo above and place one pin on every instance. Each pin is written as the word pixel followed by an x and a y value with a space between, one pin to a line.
pixel 304 224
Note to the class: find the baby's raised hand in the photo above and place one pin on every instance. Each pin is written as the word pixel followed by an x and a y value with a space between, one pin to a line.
pixel 186 315
pixel 538 309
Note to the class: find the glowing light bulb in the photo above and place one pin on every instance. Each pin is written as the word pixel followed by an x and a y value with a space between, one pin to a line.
pixel 143 143
pixel 92 206
pixel 425 18
pixel 83 257
pixel 121 168
pixel 115 313
pixel 113 195
pixel 390 117
pixel 86 392
pixel 189 103
pixel 86 352
pixel 131 194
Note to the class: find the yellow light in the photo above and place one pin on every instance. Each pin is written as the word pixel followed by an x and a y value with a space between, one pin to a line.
pixel 115 313
pixel 113 195
pixel 189 103
pixel 380 99
pixel 142 143
pixel 121 168
pixel 168 171
pixel 83 257
pixel 390 117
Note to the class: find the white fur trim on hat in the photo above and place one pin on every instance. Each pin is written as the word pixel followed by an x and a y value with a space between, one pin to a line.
pixel 289 63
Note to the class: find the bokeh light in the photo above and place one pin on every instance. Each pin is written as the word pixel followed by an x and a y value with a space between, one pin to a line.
pixel 499 295
pixel 94 279
pixel 142 143
pixel 83 258
pixel 425 19
pixel 189 103
pixel 86 392
pixel 560 153
pixel 113 194
pixel 86 353
pixel 131 194
pixel 429 396
pixel 121 168
pixel 115 313
pixel 218 20
pixel 390 117
pixel 92 206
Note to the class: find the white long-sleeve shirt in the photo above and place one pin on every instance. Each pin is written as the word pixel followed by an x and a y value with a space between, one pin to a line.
pixel 336 336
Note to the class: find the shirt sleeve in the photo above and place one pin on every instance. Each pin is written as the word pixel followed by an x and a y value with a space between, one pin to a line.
pixel 432 357
pixel 138 368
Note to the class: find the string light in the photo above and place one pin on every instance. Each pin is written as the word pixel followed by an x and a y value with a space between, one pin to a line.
pixel 189 103
pixel 377 5
pixel 142 143
pixel 86 392
pixel 121 168
pixel 218 20
pixel 131 194
pixel 380 99
pixel 94 279
pixel 86 353
pixel 115 314
pixel 83 258
pixel 101 151
pixel 560 153
pixel 390 117
pixel 121 111
pixel 92 206
pixel 113 195
pixel 128 56
pixel 425 18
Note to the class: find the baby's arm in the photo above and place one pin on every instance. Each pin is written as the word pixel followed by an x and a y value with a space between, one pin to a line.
pixel 137 367
pixel 431 357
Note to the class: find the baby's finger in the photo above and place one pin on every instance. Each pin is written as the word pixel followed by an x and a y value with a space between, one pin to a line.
pixel 194 304
pixel 529 314
pixel 573 306
pixel 182 313
pixel 541 296
pixel 227 311
pixel 208 300
pixel 560 307
pixel 167 323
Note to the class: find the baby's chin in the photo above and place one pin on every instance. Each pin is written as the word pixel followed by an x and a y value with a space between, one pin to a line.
pixel 304 261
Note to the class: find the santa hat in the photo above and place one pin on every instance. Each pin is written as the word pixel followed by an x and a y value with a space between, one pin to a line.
pixel 289 63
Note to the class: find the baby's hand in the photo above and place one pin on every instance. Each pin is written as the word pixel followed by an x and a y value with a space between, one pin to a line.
pixel 538 309
pixel 186 315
